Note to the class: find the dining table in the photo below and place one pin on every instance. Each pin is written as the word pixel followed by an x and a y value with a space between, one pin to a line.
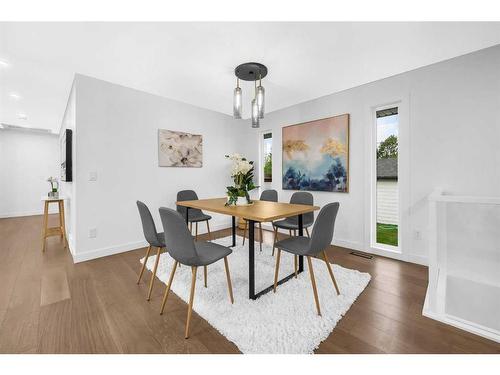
pixel 255 212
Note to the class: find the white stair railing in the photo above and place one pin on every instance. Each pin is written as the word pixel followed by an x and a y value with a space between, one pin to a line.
pixel 464 263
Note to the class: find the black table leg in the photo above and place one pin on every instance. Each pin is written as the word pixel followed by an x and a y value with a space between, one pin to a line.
pixel 234 231
pixel 187 215
pixel 301 233
pixel 251 260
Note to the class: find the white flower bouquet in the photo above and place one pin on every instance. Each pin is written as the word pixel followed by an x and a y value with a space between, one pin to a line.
pixel 242 174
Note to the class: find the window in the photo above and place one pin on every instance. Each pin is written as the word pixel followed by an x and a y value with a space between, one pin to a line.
pixel 387 191
pixel 267 154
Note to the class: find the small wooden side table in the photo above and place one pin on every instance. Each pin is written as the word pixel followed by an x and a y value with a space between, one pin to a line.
pixel 53 231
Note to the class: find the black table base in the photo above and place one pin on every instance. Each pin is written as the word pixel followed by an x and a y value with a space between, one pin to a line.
pixel 251 256
pixel 251 262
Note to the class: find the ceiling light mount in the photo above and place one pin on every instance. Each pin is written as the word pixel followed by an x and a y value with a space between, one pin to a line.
pixel 251 71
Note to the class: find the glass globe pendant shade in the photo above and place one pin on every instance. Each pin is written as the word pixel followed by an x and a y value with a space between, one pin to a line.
pixel 255 114
pixel 260 97
pixel 237 103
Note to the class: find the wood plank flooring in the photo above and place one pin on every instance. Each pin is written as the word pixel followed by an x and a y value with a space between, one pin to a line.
pixel 50 305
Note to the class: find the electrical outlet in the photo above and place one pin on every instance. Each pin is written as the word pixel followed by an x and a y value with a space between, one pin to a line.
pixel 92 232
pixel 418 235
pixel 93 176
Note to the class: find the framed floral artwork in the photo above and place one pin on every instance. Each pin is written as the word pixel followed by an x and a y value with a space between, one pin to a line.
pixel 179 149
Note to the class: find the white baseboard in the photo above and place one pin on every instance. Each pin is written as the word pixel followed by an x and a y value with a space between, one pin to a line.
pixel 107 251
pixel 202 229
pixel 26 213
pixel 337 242
pixel 417 259
pixel 354 245
pixel 122 248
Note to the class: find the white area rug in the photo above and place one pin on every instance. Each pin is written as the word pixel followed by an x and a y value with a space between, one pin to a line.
pixel 285 322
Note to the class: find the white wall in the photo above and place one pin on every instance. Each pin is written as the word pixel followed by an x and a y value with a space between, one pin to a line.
pixel 68 189
pixel 387 202
pixel 451 120
pixel 27 159
pixel 116 137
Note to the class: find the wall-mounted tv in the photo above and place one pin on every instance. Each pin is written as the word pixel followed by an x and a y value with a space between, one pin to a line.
pixel 66 156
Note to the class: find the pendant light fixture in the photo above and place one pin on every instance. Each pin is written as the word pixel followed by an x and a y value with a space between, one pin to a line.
pixel 237 100
pixel 255 110
pixel 251 71
pixel 260 97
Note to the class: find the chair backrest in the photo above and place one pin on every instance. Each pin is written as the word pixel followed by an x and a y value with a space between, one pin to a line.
pixel 302 197
pixel 322 233
pixel 187 195
pixel 178 239
pixel 148 224
pixel 269 195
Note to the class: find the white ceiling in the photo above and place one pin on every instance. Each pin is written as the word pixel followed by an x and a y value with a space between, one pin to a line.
pixel 194 62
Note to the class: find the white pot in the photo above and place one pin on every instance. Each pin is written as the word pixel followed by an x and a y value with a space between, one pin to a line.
pixel 242 201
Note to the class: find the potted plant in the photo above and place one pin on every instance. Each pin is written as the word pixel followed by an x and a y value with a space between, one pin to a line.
pixel 242 174
pixel 54 186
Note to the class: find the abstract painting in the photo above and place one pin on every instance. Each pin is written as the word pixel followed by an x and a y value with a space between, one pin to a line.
pixel 316 155
pixel 178 149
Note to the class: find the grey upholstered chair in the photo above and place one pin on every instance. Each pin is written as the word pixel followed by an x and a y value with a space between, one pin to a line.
pixel 191 253
pixel 292 223
pixel 154 239
pixel 195 215
pixel 321 238
pixel 269 195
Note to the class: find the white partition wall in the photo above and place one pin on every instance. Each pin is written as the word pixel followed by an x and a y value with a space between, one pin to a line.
pixel 464 263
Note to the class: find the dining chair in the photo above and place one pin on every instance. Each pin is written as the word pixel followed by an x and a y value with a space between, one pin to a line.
pixel 321 238
pixel 190 253
pixel 195 215
pixel 292 223
pixel 269 195
pixel 153 238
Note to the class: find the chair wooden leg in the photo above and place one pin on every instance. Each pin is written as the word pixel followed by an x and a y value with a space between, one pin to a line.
pixel 191 298
pixel 153 276
pixel 290 232
pixel 276 270
pixel 45 223
pixel 208 230
pixel 275 238
pixel 295 264
pixel 294 233
pixel 60 217
pixel 228 276
pixel 313 282
pixel 196 232
pixel 144 264
pixel 205 275
pixel 330 271
pixel 260 234
pixel 307 231
pixel 63 225
pixel 245 232
pixel 167 290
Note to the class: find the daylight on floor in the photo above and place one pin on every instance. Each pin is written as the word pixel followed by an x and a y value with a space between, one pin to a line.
pixel 249 188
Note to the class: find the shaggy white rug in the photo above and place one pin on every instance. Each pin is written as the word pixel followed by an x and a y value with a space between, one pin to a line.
pixel 285 322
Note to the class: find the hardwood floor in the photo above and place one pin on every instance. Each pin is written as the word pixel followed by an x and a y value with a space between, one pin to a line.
pixel 50 305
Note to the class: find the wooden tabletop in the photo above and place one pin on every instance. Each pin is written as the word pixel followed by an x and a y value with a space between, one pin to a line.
pixel 258 211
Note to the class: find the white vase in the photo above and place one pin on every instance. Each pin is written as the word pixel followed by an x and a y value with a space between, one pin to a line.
pixel 241 201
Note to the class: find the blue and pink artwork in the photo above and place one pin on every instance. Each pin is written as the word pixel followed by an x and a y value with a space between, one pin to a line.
pixel 316 155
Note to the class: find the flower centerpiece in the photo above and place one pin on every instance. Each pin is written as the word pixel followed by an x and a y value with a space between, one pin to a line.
pixel 54 187
pixel 242 174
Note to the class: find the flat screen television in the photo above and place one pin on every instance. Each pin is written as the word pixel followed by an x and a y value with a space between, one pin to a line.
pixel 66 156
